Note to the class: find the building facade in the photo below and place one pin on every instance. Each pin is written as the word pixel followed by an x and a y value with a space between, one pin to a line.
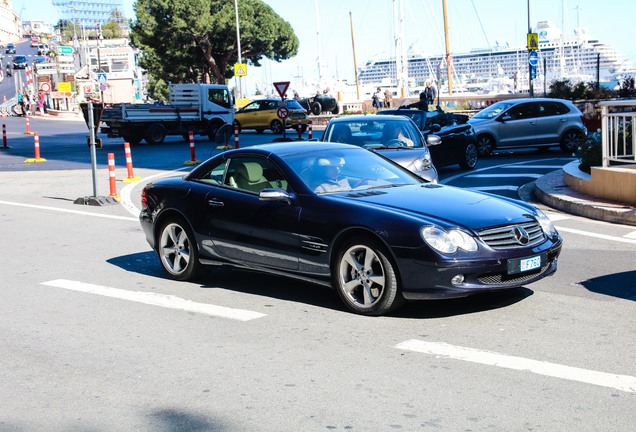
pixel 10 29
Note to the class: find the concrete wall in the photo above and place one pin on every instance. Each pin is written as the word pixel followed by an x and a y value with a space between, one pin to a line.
pixel 613 183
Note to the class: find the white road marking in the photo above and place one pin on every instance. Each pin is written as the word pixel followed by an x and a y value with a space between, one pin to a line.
pixel 624 383
pixel 600 236
pixel 154 299
pixel 556 217
pixel 531 175
pixel 631 235
pixel 555 167
pixel 79 212
pixel 489 188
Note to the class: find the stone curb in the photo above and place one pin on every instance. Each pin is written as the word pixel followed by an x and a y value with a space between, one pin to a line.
pixel 552 191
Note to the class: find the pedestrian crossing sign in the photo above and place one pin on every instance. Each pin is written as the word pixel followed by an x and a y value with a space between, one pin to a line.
pixel 533 41
pixel 240 69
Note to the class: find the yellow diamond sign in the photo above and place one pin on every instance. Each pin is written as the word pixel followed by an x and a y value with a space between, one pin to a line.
pixel 240 69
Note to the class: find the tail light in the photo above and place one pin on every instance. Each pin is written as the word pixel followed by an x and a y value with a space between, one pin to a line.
pixel 144 199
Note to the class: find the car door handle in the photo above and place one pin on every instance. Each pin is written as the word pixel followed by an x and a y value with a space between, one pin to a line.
pixel 215 203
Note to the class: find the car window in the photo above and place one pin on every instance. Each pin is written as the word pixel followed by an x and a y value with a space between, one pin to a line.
pixel 253 175
pixel 252 106
pixel 220 97
pixel 344 170
pixel 374 133
pixel 493 110
pixel 551 109
pixel 522 111
pixel 293 104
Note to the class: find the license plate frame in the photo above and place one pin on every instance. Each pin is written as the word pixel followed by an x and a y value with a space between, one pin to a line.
pixel 526 264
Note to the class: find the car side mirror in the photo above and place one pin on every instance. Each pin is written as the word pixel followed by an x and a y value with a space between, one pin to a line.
pixel 275 195
pixel 504 118
pixel 433 140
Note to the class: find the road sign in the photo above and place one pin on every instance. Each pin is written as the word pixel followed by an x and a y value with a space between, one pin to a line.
pixel 281 88
pixel 102 78
pixel 45 87
pixel 533 58
pixel 533 41
pixel 240 69
pixel 102 87
pixel 282 112
pixel 65 50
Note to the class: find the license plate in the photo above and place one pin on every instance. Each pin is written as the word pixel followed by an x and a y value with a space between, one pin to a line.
pixel 520 265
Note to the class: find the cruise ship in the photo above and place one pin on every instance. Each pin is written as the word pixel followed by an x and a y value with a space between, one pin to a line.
pixel 577 57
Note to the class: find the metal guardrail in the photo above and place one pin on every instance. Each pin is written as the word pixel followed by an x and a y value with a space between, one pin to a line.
pixel 618 131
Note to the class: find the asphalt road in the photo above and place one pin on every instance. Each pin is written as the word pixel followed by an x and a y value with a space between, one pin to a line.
pixel 93 337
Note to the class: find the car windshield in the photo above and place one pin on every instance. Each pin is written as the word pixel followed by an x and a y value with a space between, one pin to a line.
pixel 342 170
pixel 493 110
pixel 293 104
pixel 376 134
pixel 19 59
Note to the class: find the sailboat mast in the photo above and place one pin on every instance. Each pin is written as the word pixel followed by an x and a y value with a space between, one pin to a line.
pixel 319 59
pixel 401 67
pixel 448 52
pixel 355 65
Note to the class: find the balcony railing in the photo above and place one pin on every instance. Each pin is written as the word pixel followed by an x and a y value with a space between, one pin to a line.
pixel 618 125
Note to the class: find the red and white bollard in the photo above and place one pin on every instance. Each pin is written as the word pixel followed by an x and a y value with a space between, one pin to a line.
pixel 28 126
pixel 111 174
pixel 4 136
pixel 193 156
pixel 309 130
pixel 299 129
pixel 236 136
pixel 36 142
pixel 129 165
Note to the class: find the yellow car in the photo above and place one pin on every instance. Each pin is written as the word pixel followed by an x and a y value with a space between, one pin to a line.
pixel 264 114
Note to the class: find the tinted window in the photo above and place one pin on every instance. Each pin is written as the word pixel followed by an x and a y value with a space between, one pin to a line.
pixel 522 111
pixel 552 109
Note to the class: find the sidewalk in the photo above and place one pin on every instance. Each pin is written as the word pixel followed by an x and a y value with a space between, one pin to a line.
pixel 551 190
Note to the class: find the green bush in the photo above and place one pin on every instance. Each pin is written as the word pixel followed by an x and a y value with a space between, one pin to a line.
pixel 590 152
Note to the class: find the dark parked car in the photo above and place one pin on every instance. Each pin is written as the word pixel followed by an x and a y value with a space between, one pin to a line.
pixel 529 122
pixel 10 49
pixel 320 103
pixel 348 218
pixel 459 142
pixel 394 137
pixel 19 62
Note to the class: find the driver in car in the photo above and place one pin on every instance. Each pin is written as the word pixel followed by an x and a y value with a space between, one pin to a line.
pixel 326 173
pixel 394 131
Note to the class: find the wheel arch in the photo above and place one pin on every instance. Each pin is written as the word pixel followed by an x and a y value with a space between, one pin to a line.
pixel 169 214
pixel 354 232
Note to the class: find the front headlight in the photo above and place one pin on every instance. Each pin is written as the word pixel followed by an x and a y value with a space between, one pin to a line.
pixel 423 164
pixel 448 241
pixel 546 224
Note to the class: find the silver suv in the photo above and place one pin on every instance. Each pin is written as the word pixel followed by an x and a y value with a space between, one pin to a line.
pixel 528 122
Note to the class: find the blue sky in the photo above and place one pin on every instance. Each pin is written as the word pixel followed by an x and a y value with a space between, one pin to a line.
pixel 472 24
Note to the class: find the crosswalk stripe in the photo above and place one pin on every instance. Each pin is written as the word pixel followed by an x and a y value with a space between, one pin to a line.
pixel 155 299
pixel 624 383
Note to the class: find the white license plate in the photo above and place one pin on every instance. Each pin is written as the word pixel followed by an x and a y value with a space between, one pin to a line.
pixel 528 264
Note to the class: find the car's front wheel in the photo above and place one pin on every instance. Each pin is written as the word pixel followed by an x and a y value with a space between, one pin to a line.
pixel 276 126
pixel 485 145
pixel 365 278
pixel 178 251
pixel 571 141
pixel 471 155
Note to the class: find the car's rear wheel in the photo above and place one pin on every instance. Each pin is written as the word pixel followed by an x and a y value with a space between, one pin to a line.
pixel 471 155
pixel 365 278
pixel 571 141
pixel 485 145
pixel 316 108
pixel 177 250
pixel 276 126
pixel 156 133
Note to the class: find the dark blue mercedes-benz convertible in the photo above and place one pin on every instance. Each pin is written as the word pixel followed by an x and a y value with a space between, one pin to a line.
pixel 342 216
